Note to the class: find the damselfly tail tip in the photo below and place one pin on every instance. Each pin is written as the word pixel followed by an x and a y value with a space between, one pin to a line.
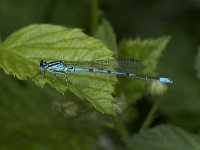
pixel 166 80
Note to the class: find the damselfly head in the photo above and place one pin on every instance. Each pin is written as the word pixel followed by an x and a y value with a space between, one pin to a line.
pixel 43 65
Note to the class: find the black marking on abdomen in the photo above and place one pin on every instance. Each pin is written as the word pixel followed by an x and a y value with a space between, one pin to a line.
pixel 72 68
pixel 127 74
pixel 90 70
pixel 109 72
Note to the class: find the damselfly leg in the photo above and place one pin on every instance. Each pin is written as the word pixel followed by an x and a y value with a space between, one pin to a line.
pixel 39 73
pixel 54 79
pixel 67 80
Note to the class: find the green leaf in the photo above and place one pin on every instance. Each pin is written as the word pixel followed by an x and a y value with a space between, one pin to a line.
pixel 197 65
pixel 164 137
pixel 106 34
pixel 148 52
pixel 23 50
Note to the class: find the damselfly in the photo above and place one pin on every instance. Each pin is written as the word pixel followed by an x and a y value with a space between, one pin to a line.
pixel 122 67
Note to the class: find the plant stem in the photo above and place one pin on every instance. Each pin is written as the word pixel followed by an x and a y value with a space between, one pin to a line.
pixel 94 16
pixel 50 10
pixel 121 128
pixel 151 116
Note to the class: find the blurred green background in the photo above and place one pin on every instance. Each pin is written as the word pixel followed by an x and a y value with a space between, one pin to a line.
pixel 29 116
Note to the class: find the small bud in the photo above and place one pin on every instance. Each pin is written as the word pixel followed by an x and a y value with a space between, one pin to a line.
pixel 120 104
pixel 157 88
pixel 68 109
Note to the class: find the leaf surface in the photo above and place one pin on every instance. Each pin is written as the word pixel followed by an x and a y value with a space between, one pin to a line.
pixel 164 137
pixel 23 50
pixel 106 34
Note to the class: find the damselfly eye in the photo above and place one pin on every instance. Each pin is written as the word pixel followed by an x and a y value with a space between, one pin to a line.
pixel 43 63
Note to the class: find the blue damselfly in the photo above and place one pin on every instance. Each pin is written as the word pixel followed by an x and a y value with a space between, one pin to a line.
pixel 122 67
